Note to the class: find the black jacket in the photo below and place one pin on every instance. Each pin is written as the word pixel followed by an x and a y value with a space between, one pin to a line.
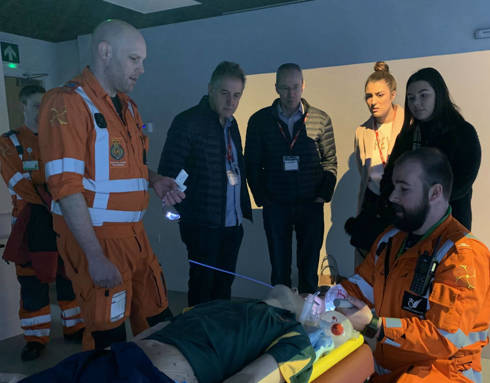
pixel 459 142
pixel 195 142
pixel 265 147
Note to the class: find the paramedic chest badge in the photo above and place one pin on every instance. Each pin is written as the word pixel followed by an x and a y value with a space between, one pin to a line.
pixel 117 150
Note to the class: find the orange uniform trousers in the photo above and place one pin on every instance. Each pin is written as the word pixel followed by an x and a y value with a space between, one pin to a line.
pixel 34 308
pixel 128 248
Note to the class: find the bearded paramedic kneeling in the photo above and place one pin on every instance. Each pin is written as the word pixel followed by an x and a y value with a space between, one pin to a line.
pixel 424 288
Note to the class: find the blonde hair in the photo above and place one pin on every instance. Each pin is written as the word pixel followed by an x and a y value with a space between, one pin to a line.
pixel 382 72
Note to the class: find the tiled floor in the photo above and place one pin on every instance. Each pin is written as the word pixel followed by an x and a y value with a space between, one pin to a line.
pixel 58 348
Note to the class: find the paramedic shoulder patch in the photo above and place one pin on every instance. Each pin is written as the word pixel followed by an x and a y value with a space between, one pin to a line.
pixel 414 303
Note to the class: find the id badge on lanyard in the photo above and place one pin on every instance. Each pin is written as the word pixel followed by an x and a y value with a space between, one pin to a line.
pixel 232 177
pixel 231 174
pixel 30 166
pixel 291 163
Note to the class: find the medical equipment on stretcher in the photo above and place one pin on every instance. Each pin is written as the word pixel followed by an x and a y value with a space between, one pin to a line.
pixel 331 333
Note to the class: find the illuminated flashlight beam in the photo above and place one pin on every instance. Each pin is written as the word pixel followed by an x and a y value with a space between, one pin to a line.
pixel 232 273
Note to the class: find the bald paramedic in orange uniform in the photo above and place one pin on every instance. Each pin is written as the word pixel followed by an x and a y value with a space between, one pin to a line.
pixel 428 281
pixel 32 244
pixel 95 153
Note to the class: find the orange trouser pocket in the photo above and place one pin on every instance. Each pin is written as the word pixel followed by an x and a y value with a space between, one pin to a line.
pixel 109 306
pixel 160 291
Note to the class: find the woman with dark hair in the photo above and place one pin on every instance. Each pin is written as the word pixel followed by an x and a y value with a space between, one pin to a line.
pixel 431 119
pixel 373 144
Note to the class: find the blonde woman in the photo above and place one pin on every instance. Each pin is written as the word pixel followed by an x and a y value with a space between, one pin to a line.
pixel 372 147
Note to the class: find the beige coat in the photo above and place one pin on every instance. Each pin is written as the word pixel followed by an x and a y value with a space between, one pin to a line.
pixel 364 143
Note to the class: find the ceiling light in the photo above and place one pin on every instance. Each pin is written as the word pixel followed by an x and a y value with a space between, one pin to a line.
pixel 150 6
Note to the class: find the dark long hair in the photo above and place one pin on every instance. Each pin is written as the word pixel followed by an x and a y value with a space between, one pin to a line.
pixel 445 113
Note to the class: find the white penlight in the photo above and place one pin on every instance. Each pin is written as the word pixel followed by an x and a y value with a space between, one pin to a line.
pixel 151 6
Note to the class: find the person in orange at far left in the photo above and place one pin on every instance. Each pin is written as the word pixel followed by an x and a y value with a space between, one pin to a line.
pixel 32 242
pixel 92 142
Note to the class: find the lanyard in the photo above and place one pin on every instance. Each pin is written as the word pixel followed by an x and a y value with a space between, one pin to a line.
pixel 377 140
pixel 383 161
pixel 291 145
pixel 229 148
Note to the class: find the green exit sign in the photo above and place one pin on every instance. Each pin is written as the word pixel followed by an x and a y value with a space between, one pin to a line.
pixel 10 53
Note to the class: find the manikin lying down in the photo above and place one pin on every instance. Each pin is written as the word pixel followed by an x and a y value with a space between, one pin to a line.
pixel 246 341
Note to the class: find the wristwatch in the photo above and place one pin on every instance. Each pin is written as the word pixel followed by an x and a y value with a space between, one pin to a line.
pixel 372 327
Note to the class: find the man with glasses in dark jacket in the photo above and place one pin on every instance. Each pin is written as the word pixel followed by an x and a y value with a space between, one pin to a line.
pixel 204 141
pixel 292 170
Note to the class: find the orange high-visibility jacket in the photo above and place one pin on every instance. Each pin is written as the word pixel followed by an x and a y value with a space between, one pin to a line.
pixel 94 152
pixel 16 147
pixel 449 324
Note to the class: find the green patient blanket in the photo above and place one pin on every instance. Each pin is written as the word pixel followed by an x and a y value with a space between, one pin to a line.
pixel 219 338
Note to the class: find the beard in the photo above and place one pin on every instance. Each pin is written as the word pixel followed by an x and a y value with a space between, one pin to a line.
pixel 411 220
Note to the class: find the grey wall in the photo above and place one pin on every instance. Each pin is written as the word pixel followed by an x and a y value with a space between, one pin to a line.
pixel 59 61
pixel 315 34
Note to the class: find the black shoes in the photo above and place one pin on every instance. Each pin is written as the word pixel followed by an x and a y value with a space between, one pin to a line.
pixel 31 351
pixel 75 337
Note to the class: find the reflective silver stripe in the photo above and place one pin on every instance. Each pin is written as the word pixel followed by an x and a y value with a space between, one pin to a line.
pixel 16 178
pixel 38 332
pixel 13 220
pixel 130 107
pixel 99 216
pixel 15 141
pixel 71 322
pixel 460 340
pixel 441 253
pixel 63 165
pixel 393 323
pixel 116 186
pixel 384 239
pixel 472 375
pixel 34 321
pixel 365 287
pixel 380 370
pixel 391 342
pixel 56 208
pixel 70 312
pixel 101 149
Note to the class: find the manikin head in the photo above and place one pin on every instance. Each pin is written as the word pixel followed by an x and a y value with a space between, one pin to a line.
pixel 283 297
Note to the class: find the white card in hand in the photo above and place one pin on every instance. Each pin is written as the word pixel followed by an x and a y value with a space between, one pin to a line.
pixel 180 179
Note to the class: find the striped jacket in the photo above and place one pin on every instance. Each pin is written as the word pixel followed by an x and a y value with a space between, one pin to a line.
pixel 268 141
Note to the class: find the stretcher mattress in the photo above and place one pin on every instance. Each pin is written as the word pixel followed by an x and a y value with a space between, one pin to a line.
pixel 334 356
